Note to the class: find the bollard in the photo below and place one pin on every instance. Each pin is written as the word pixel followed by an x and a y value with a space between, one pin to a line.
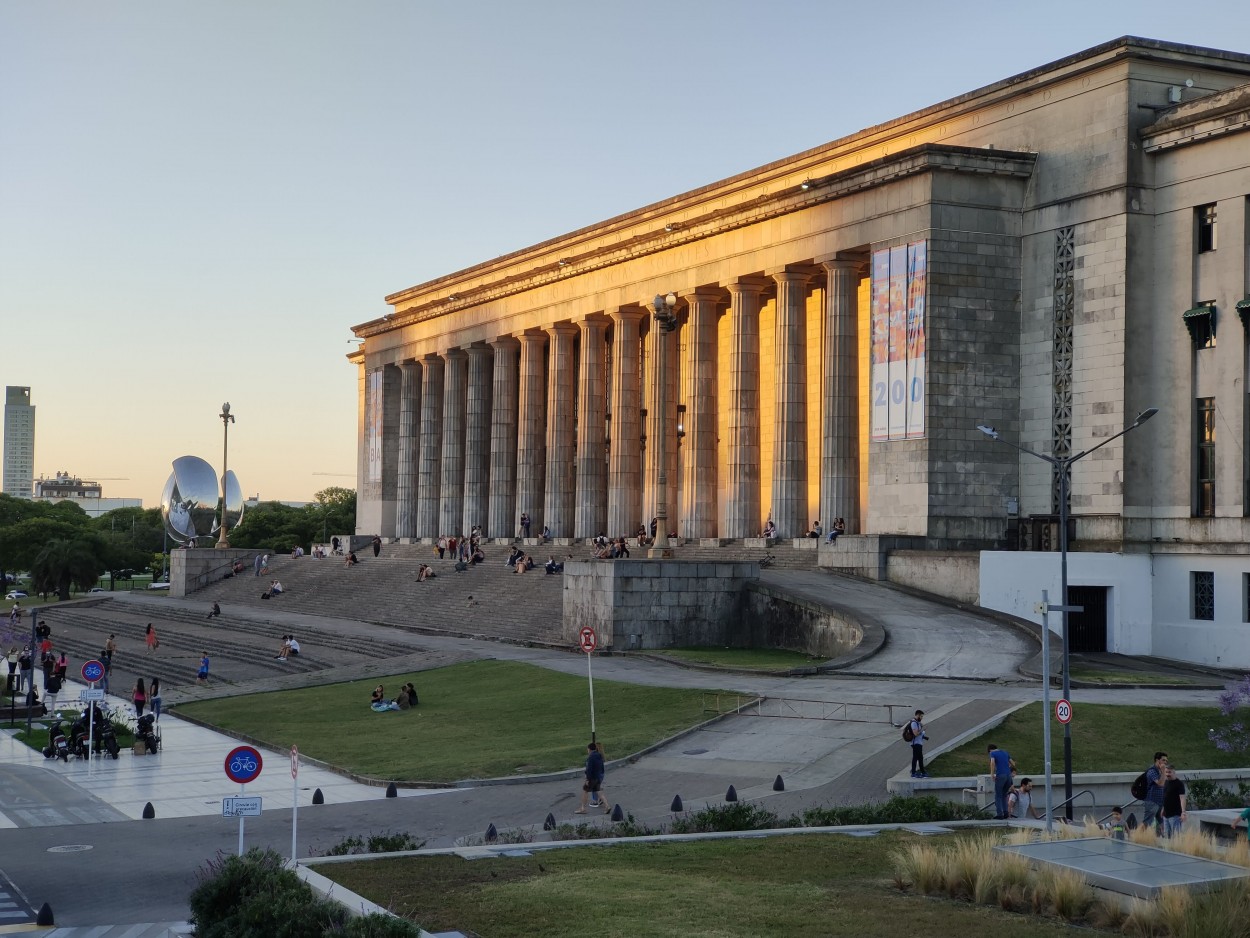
pixel 149 812
pixel 45 916
pixel 676 806
pixel 491 834
pixel 318 797
pixel 392 791
pixel 778 784
pixel 732 794
pixel 617 815
pixel 550 823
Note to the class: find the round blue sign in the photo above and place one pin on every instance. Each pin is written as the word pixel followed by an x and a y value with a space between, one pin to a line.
pixel 92 671
pixel 243 764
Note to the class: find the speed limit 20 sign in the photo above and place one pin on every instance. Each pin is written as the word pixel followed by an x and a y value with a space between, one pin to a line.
pixel 1063 710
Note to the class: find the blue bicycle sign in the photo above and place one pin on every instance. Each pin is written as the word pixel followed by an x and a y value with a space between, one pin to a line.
pixel 243 764
pixel 92 671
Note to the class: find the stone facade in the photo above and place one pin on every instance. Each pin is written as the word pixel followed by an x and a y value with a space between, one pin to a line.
pixel 1056 215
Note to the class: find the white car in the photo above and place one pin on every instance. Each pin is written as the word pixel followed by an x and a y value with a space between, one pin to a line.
pixel 158 586
pixel 97 589
pixel 15 594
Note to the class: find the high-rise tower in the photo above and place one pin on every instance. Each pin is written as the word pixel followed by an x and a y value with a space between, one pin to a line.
pixel 19 443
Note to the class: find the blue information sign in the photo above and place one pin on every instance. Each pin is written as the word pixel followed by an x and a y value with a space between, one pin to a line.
pixel 243 764
pixel 92 671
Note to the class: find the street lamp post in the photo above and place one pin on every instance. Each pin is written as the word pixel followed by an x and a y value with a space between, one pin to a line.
pixel 1063 464
pixel 666 322
pixel 227 418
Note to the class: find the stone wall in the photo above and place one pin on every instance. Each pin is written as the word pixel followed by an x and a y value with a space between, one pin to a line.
pixel 953 574
pixel 772 619
pixel 655 604
pixel 190 570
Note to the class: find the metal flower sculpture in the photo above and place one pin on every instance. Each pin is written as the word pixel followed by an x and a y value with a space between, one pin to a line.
pixel 190 499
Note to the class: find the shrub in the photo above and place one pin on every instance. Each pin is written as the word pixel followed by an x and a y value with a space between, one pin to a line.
pixel 1204 794
pixel 385 842
pixel 734 816
pixel 255 896
pixel 376 926
pixel 898 810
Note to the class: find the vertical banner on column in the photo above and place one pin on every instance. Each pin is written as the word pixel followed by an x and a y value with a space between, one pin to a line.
pixel 374 425
pixel 880 349
pixel 898 343
pixel 917 264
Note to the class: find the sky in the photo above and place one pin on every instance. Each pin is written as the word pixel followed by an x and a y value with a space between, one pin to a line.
pixel 198 200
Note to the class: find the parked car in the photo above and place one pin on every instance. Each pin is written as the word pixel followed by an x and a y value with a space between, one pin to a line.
pixel 15 594
pixel 97 589
pixel 158 586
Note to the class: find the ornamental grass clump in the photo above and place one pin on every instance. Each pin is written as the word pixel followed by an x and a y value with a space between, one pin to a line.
pixel 1066 892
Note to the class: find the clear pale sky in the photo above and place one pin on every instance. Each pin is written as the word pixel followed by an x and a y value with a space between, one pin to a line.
pixel 197 200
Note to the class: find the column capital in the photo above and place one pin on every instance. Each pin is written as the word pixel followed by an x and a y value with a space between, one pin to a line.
pixel 479 348
pixel 634 314
pixel 794 273
pixel 842 261
pixel 561 328
pixel 456 353
pixel 432 357
pixel 748 285
pixel 504 342
pixel 531 336
pixel 708 294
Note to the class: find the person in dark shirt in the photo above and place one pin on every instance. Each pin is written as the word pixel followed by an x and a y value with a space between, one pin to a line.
pixel 1174 803
pixel 592 788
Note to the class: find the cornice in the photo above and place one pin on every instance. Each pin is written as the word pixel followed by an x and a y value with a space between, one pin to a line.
pixel 926 158
pixel 1214 115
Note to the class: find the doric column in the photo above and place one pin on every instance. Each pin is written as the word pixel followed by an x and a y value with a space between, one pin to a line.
pixel 789 496
pixel 740 515
pixel 698 488
pixel 531 455
pixel 430 471
pixel 592 493
pixel 839 456
pixel 624 481
pixel 660 363
pixel 451 503
pixel 561 412
pixel 477 440
pixel 409 449
pixel 503 439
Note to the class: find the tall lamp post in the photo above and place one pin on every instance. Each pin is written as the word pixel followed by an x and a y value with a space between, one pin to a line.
pixel 666 321
pixel 227 418
pixel 1063 465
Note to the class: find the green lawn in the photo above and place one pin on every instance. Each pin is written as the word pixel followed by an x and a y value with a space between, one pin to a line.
pixel 480 719
pixel 809 886
pixel 1105 738
pixel 768 659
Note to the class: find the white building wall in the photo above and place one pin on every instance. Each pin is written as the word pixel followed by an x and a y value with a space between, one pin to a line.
pixel 1223 642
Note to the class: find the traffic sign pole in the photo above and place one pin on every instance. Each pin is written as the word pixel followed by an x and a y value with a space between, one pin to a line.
pixel 588 641
pixel 294 798
pixel 243 764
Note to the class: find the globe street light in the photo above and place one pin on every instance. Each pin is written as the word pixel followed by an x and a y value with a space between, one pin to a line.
pixel 1063 466
pixel 227 418
pixel 666 322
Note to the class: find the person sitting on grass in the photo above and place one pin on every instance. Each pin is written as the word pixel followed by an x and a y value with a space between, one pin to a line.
pixel 378 702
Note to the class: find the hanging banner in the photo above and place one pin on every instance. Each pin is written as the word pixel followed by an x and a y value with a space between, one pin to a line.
pixel 373 425
pixel 917 262
pixel 897 348
pixel 880 347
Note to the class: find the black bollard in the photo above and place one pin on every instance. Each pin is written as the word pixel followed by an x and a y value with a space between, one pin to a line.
pixel 732 794
pixel 617 815
pixel 676 806
pixel 149 812
pixel 550 823
pixel 318 797
pixel 45 916
pixel 778 784
pixel 392 791
pixel 491 834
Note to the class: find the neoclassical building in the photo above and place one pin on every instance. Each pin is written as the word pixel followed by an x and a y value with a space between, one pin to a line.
pixel 1049 255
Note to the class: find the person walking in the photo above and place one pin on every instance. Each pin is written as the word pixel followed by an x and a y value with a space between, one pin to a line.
pixel 25 665
pixel 377 545
pixel 154 697
pixel 62 667
pixel 592 788
pixel 1156 780
pixel 150 639
pixel 256 561
pixel 1175 807
pixel 139 696
pixel 525 524
pixel 50 690
pixel 915 734
pixel 201 676
pixel 1001 767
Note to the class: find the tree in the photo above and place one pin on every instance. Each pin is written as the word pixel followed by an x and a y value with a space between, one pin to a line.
pixel 66 563
pixel 1233 736
pixel 333 512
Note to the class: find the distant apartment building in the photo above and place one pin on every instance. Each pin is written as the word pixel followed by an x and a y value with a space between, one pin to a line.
pixel 89 496
pixel 19 442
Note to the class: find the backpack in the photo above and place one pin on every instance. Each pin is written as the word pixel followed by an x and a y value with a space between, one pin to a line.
pixel 908 733
pixel 1139 787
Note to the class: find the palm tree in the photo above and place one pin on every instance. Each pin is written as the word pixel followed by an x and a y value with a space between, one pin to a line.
pixel 64 563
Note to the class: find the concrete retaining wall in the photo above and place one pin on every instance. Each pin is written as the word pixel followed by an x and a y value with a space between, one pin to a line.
pixel 774 620
pixel 949 573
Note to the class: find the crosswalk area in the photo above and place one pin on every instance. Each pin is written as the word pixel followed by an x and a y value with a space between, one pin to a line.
pixel 142 930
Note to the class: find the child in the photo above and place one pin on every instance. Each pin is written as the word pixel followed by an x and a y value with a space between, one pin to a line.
pixel 201 676
pixel 1115 828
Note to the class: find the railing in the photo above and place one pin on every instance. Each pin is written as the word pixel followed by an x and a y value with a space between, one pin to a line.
pixel 212 576
pixel 801 709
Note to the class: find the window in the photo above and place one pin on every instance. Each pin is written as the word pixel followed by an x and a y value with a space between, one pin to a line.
pixel 1204 425
pixel 1205 217
pixel 1202 588
pixel 1200 321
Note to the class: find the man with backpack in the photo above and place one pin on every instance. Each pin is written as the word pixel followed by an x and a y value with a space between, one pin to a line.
pixel 914 734
pixel 1149 788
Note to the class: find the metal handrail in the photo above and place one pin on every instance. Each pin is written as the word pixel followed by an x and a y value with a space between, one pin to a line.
pixel 1093 802
pixel 1123 808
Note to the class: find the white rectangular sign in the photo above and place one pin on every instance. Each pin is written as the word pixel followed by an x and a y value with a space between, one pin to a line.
pixel 91 693
pixel 240 807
